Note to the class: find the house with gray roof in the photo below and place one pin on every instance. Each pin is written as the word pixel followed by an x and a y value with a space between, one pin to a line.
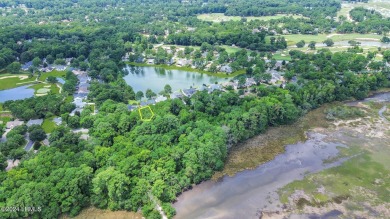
pixel 214 87
pixel 57 121
pixel 249 82
pixel 160 98
pixel 148 102
pixel 226 69
pixel 176 94
pixel 189 92
pixel 34 122
pixel 60 67
pixel 131 107
pixel 13 124
pixel 183 62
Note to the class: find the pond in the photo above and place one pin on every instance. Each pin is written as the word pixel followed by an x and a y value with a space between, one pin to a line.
pixel 61 80
pixel 155 78
pixel 17 93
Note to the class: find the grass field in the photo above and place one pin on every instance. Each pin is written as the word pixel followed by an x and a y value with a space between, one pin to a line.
pixel 8 81
pixel 282 56
pixel 292 39
pixel 48 125
pixel 230 49
pixel 60 74
pixel 69 99
pixel 39 88
pixel 219 17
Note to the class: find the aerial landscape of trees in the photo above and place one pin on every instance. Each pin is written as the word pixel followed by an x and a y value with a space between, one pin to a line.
pixel 127 163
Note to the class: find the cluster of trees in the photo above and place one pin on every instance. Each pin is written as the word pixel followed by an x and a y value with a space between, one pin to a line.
pixel 232 34
pixel 128 163
pixel 36 107
pixel 367 21
pixel 13 147
pixel 118 91
pixel 71 82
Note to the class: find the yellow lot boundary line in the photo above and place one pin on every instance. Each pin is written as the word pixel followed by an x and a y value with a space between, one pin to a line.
pixel 140 113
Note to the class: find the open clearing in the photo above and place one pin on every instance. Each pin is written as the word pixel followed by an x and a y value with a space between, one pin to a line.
pixel 45 75
pixel 220 17
pixel 48 125
pixel 292 39
pixel 42 89
pixel 94 213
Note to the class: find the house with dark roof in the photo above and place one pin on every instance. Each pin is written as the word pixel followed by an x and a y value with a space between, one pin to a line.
pixel 26 66
pixel 131 107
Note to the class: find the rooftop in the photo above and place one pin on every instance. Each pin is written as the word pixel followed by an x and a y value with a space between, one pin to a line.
pixel 34 122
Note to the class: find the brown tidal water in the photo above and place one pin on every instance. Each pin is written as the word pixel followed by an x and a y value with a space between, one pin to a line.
pixel 242 195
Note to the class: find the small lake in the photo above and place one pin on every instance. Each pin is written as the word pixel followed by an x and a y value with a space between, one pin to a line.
pixel 61 80
pixel 155 78
pixel 17 93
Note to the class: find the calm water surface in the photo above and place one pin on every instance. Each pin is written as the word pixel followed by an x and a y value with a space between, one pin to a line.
pixel 243 195
pixel 248 192
pixel 142 78
pixel 17 93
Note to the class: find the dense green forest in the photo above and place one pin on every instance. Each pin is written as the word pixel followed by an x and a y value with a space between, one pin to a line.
pixel 127 163
pixel 128 160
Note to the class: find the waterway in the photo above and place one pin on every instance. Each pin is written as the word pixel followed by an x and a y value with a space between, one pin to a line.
pixel 155 78
pixel 243 195
pixel 248 193
pixel 17 93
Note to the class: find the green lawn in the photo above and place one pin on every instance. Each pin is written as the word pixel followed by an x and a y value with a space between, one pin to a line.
pixel 69 99
pixel 48 125
pixel 45 75
pixel 219 17
pixel 292 39
pixel 41 86
pixel 231 49
pixel 8 81
pixel 280 57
